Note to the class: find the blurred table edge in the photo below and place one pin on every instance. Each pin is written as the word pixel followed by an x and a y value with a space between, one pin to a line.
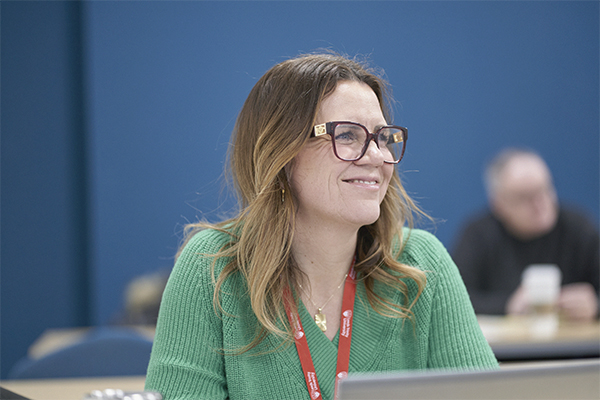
pixel 512 339
pixel 546 350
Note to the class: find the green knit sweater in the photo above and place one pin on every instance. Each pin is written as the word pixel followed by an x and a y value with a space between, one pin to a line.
pixel 186 362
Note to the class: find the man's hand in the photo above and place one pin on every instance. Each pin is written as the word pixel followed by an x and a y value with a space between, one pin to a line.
pixel 578 302
pixel 517 303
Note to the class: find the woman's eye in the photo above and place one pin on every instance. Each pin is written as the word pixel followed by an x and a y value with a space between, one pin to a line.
pixel 345 136
pixel 385 138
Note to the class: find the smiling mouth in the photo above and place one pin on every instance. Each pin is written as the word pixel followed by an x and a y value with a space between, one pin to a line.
pixel 360 181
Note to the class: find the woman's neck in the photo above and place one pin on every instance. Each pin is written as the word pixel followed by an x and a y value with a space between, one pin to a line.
pixel 324 255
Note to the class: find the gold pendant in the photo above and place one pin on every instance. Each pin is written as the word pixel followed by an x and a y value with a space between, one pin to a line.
pixel 321 320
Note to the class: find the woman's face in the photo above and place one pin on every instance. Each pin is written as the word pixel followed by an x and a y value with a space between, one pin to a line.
pixel 329 190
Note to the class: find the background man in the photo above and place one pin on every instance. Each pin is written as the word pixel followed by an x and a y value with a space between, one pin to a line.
pixel 525 225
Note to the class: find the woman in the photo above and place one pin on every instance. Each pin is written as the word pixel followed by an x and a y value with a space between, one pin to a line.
pixel 316 277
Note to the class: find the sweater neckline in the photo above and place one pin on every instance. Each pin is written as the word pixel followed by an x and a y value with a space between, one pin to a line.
pixel 367 337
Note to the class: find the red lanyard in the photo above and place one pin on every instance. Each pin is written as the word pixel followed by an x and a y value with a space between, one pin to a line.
pixel 345 338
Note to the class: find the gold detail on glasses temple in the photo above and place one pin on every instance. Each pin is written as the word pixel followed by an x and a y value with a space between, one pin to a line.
pixel 398 137
pixel 320 130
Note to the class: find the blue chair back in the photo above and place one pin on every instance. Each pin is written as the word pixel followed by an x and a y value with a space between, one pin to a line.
pixel 102 352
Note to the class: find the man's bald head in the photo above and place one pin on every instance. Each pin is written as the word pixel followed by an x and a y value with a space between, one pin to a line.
pixel 521 193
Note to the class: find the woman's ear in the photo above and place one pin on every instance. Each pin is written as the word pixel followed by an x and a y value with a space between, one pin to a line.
pixel 289 167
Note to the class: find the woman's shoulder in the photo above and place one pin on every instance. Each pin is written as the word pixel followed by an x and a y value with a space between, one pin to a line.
pixel 201 247
pixel 209 240
pixel 422 249
pixel 415 239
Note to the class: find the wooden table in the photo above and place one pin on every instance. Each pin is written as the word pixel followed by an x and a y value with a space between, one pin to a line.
pixel 71 389
pixel 513 338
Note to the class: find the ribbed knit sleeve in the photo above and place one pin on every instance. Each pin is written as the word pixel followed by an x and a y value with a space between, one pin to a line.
pixel 445 314
pixel 186 361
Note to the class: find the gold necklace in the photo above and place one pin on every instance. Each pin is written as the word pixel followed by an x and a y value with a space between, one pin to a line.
pixel 320 318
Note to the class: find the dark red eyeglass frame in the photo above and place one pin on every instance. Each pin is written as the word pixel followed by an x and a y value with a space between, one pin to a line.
pixel 329 127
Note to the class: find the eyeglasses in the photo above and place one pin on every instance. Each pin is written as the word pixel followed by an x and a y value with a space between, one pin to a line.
pixel 351 140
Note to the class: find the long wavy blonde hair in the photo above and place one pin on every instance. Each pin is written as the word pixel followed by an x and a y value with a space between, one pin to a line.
pixel 273 125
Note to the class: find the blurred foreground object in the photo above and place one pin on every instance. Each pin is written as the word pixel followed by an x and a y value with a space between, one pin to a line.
pixel 117 394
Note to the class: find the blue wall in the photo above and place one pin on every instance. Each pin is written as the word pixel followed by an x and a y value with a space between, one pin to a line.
pixel 44 197
pixel 162 83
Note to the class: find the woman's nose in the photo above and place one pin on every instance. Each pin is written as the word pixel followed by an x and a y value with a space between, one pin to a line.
pixel 373 155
